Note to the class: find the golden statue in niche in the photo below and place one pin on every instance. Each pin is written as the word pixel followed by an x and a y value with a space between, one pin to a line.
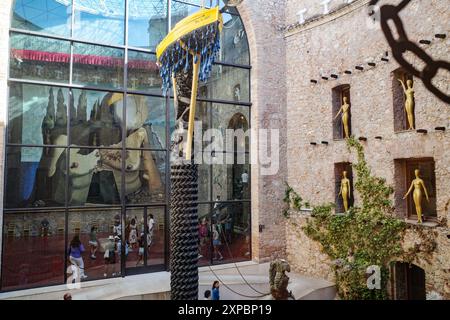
pixel 418 184
pixel 345 190
pixel 409 102
pixel 345 109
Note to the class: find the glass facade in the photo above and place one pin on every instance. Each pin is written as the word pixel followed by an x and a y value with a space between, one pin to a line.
pixel 87 169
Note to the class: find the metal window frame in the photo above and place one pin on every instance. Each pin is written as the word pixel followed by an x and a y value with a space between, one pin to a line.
pixel 66 208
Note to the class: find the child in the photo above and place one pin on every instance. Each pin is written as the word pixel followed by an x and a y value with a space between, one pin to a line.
pixel 215 291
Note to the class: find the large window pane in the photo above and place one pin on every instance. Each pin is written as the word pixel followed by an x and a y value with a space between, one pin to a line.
pixel 98 66
pixel 204 182
pixel 231 181
pixel 146 122
pixel 37 114
pixel 147 23
pixel 207 3
pixel 145 176
pixel 227 83
pixel 94 227
pixel 47 16
pixel 155 239
pixel 91 179
pixel 231 123
pixel 33 253
pixel 143 73
pixel 230 229
pixel 234 41
pixel 35 177
pixel 204 233
pixel 96 118
pixel 180 11
pixel 100 21
pixel 145 238
pixel 39 58
pixel 233 37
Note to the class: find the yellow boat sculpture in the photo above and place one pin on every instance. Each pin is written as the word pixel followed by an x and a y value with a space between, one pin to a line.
pixel 195 38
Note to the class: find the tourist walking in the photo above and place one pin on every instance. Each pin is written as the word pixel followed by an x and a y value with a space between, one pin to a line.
pixel 110 257
pixel 93 243
pixel 76 249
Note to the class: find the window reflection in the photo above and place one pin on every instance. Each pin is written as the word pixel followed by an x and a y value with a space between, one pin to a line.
pixel 204 234
pixel 37 114
pixel 47 16
pixel 95 118
pixel 234 41
pixel 230 231
pixel 33 249
pixel 90 182
pixel 39 58
pixel 100 21
pixel 204 182
pixel 97 66
pixel 232 181
pixel 143 73
pixel 156 237
pixel 144 236
pixel 227 83
pixel 145 176
pixel 147 23
pixel 147 115
pixel 181 10
pixel 224 232
pixel 95 228
pixel 47 170
pixel 34 178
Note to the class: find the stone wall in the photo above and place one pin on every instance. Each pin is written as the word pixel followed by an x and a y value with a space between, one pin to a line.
pixel 338 42
pixel 304 254
pixel 263 21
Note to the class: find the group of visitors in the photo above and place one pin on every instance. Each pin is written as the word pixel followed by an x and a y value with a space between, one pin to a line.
pixel 113 245
pixel 220 230
pixel 204 236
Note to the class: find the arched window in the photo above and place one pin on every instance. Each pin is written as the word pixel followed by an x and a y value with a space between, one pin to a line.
pixel 88 138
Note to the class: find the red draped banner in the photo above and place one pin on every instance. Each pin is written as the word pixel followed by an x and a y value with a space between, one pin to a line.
pixel 106 61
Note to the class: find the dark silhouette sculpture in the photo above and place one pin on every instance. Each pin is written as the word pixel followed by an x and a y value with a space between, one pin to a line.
pixel 402 44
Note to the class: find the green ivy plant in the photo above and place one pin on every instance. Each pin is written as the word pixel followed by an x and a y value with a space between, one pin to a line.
pixel 364 236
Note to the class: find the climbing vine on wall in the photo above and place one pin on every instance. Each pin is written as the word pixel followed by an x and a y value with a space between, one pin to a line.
pixel 366 235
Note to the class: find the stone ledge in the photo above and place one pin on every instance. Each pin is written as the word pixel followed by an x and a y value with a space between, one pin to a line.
pixel 301 212
pixel 429 224
pixel 322 19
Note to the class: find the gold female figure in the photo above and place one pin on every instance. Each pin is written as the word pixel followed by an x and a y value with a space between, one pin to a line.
pixel 418 185
pixel 345 108
pixel 345 190
pixel 409 102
